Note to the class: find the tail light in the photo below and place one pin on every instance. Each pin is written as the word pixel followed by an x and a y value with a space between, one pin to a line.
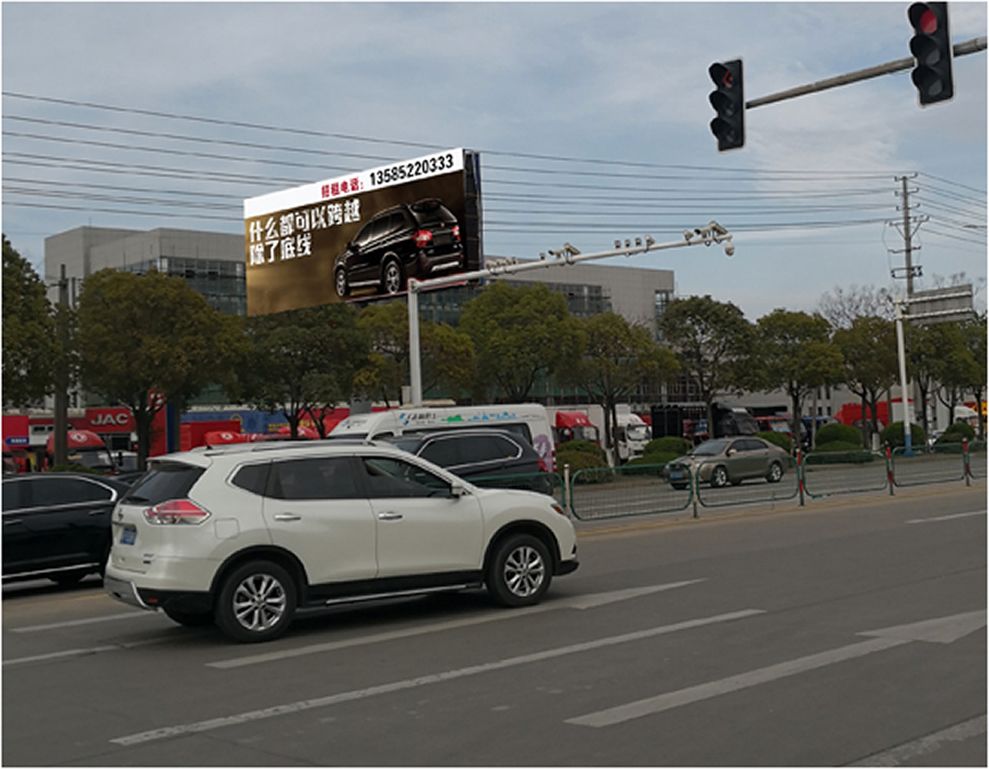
pixel 424 238
pixel 176 511
pixel 456 232
pixel 542 465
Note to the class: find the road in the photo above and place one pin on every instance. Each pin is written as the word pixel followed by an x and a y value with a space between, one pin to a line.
pixel 852 632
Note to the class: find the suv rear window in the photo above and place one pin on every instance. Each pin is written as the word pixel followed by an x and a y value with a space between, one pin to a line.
pixel 164 481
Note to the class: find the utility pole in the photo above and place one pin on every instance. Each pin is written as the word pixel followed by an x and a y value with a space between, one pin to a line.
pixel 710 233
pixel 61 419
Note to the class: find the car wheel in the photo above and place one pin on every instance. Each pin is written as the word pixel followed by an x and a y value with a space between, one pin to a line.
pixel 519 573
pixel 719 477
pixel 189 618
pixel 775 474
pixel 256 602
pixel 340 280
pixel 392 279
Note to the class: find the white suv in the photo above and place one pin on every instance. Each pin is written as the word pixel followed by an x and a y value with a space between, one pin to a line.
pixel 244 534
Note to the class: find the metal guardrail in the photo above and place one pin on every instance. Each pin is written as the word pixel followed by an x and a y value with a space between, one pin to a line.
pixel 844 472
pixel 633 490
pixel 630 490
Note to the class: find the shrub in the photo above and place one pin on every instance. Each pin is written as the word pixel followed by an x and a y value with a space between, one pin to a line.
pixel 668 445
pixel 655 458
pixel 892 435
pixel 956 433
pixel 782 440
pixel 835 431
pixel 584 453
pixel 839 453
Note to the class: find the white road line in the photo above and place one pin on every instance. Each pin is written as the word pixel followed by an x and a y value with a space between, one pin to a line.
pixel 652 705
pixel 947 517
pixel 81 652
pixel 912 750
pixel 89 621
pixel 411 683
pixel 577 602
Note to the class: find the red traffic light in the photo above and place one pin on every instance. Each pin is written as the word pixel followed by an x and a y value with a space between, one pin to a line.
pixel 922 18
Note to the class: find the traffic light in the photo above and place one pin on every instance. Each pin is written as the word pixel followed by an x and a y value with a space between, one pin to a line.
pixel 931 46
pixel 729 102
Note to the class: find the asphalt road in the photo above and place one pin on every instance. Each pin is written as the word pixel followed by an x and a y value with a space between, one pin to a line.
pixel 850 632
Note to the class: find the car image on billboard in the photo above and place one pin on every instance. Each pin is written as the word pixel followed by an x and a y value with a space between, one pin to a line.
pixel 363 235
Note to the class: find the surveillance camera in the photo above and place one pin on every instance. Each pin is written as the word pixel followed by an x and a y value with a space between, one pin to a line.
pixel 650 241
pixel 729 249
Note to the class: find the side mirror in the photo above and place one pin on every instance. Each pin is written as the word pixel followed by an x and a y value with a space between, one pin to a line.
pixel 457 491
pixel 731 452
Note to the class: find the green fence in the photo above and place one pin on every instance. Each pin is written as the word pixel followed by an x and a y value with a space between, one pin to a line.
pixel 612 492
pixel 940 464
pixel 844 472
pixel 977 459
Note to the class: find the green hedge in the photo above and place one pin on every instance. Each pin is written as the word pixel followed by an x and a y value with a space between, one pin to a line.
pixel 840 453
pixel 893 435
pixel 835 431
pixel 670 444
pixel 655 458
pixel 782 440
pixel 956 433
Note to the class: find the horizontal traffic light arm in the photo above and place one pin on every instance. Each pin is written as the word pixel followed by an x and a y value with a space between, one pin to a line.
pixel 961 49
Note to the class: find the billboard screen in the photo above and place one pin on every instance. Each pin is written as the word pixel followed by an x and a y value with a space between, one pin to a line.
pixel 364 234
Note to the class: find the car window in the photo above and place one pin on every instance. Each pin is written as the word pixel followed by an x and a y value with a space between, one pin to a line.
pixel 386 478
pixel 487 448
pixel 751 445
pixel 253 478
pixel 16 495
pixel 313 478
pixel 444 452
pixel 396 222
pixel 164 481
pixel 362 237
pixel 49 492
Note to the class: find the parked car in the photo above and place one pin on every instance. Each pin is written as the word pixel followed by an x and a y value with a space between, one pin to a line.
pixel 57 525
pixel 728 460
pixel 409 240
pixel 486 454
pixel 244 534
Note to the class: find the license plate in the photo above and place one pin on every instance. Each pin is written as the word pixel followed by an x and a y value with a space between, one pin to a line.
pixel 128 537
pixel 676 476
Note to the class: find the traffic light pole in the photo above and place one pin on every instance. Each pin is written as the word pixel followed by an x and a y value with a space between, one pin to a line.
pixel 972 46
pixel 712 233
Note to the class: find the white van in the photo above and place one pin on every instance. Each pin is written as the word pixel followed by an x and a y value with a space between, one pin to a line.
pixel 527 419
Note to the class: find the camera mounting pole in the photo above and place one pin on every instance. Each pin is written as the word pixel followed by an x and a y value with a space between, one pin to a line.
pixel 568 254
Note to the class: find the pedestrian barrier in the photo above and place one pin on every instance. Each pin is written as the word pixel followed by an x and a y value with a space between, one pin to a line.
pixel 844 472
pixel 612 492
pixel 749 490
pixel 939 464
pixel 633 490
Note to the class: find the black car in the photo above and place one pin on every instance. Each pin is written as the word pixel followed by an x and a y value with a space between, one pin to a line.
pixel 484 456
pixel 57 525
pixel 416 240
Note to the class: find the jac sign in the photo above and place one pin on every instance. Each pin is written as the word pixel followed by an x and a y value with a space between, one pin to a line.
pixel 110 420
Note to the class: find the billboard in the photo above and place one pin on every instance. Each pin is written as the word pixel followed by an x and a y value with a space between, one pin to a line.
pixel 363 234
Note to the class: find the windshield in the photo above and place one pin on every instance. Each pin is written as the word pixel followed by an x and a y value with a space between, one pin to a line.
pixel 638 433
pixel 709 448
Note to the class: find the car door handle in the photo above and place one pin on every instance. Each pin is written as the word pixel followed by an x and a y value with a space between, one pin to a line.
pixel 389 516
pixel 288 517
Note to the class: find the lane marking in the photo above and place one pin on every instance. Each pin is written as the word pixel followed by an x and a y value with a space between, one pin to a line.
pixel 912 750
pixel 947 517
pixel 941 630
pixel 88 621
pixel 411 683
pixel 82 652
pixel 583 602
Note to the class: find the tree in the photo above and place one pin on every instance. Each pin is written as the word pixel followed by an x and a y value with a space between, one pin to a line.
pixel 842 308
pixel 145 341
pixel 29 345
pixel 958 368
pixel 617 358
pixel 797 355
pixel 519 334
pixel 923 354
pixel 303 362
pixel 447 355
pixel 975 340
pixel 871 365
pixel 712 341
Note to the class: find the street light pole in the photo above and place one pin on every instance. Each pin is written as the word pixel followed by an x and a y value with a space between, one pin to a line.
pixel 711 233
pixel 901 353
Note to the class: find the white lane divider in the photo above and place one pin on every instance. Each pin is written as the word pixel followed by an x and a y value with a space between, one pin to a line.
pixel 412 683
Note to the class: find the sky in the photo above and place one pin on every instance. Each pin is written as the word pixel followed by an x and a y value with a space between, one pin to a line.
pixel 591 120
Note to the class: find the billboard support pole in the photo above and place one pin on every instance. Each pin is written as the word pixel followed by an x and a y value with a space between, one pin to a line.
pixel 711 233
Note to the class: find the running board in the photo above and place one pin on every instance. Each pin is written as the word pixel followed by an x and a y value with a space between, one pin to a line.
pixel 400 594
